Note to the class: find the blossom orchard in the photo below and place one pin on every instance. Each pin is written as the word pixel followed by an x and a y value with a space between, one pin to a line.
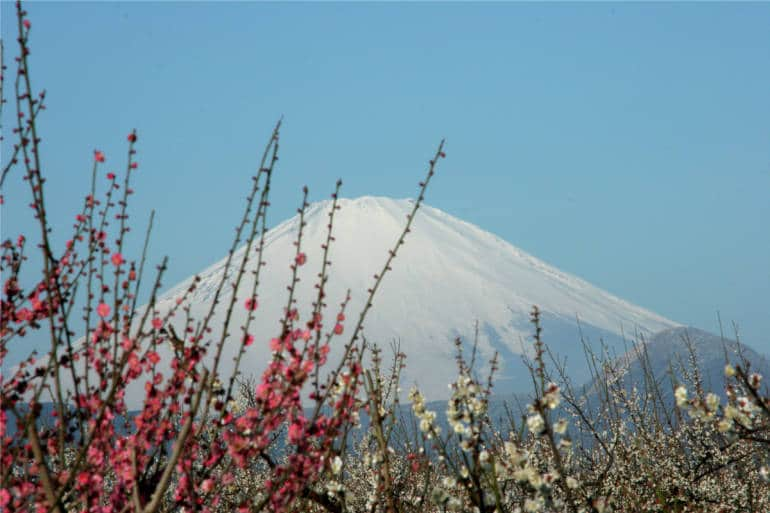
pixel 207 441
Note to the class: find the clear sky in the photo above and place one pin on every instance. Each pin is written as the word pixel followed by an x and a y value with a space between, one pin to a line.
pixel 628 144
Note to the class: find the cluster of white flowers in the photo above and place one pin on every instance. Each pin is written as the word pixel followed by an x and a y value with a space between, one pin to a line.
pixel 333 488
pixel 466 404
pixel 550 401
pixel 741 410
pixel 742 413
pixel 444 495
pixel 680 394
pixel 551 396
pixel 336 465
pixel 536 423
pixel 533 505
pixel 427 417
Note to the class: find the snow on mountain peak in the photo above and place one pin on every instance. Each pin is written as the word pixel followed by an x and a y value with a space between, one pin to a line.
pixel 449 277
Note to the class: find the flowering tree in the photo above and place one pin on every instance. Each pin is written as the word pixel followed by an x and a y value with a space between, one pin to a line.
pixel 190 440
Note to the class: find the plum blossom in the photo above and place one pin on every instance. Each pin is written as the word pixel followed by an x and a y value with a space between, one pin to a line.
pixel 103 310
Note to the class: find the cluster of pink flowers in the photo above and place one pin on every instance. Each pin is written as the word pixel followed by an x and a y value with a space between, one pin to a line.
pixel 189 440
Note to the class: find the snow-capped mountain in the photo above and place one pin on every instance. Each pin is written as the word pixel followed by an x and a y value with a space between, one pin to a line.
pixel 448 277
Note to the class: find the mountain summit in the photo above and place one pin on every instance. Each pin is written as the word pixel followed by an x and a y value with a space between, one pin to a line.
pixel 450 279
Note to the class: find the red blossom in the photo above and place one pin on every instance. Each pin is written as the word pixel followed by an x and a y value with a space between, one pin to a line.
pixel 83 478
pixel 103 310
pixel 117 259
pixel 296 429
pixel 98 156
pixel 251 304
pixel 207 485
pixel 300 259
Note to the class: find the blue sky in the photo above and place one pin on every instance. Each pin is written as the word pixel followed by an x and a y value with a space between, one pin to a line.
pixel 628 144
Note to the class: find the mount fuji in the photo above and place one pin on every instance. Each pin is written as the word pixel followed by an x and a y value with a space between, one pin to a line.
pixel 450 279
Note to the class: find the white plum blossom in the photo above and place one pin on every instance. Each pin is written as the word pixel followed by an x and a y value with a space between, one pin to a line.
pixel 535 423
pixel 680 394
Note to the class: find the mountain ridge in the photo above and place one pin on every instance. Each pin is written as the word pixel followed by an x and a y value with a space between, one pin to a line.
pixel 448 278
